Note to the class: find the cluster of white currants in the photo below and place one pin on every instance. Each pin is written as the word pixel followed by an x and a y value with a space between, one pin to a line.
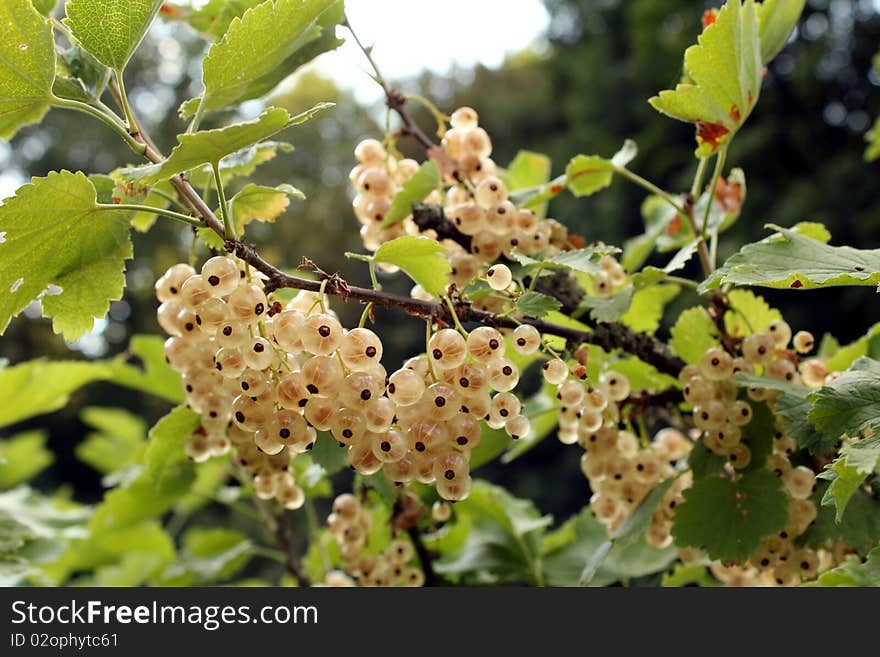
pixel 475 201
pixel 267 378
pixel 621 468
pixel 349 524
pixel 721 415
pixel 377 177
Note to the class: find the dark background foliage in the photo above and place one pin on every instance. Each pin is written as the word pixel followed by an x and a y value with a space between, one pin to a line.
pixel 584 90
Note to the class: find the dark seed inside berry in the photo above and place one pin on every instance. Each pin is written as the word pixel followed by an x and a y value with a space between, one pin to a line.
pixel 227 331
pixel 521 342
pixel 461 440
pixel 239 416
pixel 324 331
pixel 346 433
pixel 493 344
pixel 385 446
pixel 366 394
pixel 420 446
pixel 507 370
pixel 370 351
pixel 440 402
pixel 463 382
pixel 259 348
pixel 449 474
pixel 214 280
pixel 245 385
pixel 284 433
pixel 437 354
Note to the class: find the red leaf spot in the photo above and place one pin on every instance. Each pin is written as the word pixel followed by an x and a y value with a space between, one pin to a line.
pixel 116 200
pixel 674 226
pixel 796 284
pixel 169 10
pixel 555 188
pixel 709 17
pixel 711 133
pixel 734 113
pixel 577 241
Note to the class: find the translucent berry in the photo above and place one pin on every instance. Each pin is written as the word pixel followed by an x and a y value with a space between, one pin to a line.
pixel 360 349
pixel 247 303
pixel 485 344
pixel 222 276
pixel 526 339
pixel 804 342
pixel 447 348
pixel 555 371
pixel 499 277
pixel 405 387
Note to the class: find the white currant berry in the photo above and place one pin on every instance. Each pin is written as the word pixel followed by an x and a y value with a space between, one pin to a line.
pixel 780 331
pixel 405 387
pixel 464 118
pixel 555 371
pixel 499 277
pixel 447 348
pixel 247 303
pixel 804 342
pixel 360 349
pixel 526 339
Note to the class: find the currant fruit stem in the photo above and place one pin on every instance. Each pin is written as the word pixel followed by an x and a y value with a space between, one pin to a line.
pixel 224 207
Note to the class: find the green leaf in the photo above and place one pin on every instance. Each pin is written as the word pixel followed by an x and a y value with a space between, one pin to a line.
pixel 567 549
pixel 423 259
pixel 859 528
pixel 79 76
pixel 211 146
pixel 848 472
pixel 867 345
pixel 213 18
pixel 703 462
pixel 45 7
pixel 151 373
pixel 528 169
pixel 793 405
pixel 210 556
pixel 630 532
pixel 851 403
pixel 108 29
pixel 585 260
pixel 423 182
pixel 873 139
pixel 22 457
pixel 118 442
pixel 242 163
pixel 56 234
pixel 211 239
pixel 535 304
pixel 254 47
pixel 27 66
pixel 723 78
pixel 813 230
pixel 504 541
pixel 588 174
pixel 777 20
pixel 167 439
pixel 789 260
pixel 261 203
pixel 728 518
pixel 609 309
pixel 749 314
pixel 682 575
pixel 38 386
pixel 853 572
pixel 142 499
pixel 693 334
pixel 525 176
pixel 328 455
pixel 647 306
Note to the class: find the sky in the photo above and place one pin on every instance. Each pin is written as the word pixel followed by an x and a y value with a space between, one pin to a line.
pixel 411 35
